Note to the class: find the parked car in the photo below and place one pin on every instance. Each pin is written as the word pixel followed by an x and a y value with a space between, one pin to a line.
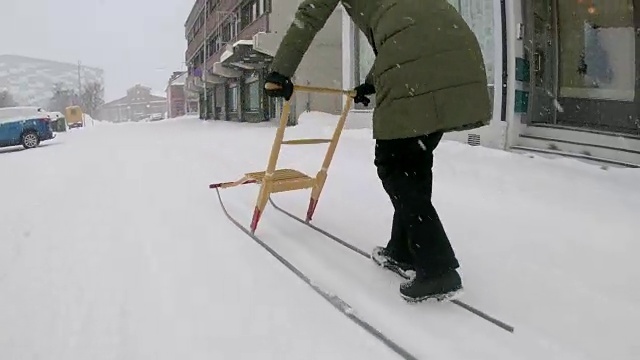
pixel 58 121
pixel 26 126
pixel 156 117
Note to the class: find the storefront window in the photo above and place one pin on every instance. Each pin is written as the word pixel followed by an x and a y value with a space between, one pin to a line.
pixel 233 98
pixel 597 49
pixel 479 15
pixel 253 96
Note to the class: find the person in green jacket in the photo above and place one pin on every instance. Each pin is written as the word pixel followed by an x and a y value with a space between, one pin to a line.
pixel 429 78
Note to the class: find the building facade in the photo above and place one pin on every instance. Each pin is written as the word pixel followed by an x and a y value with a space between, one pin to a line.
pixel 139 104
pixel 179 101
pixel 563 76
pixel 31 81
pixel 230 44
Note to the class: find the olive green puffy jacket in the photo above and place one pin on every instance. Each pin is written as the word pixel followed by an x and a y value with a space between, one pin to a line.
pixel 429 73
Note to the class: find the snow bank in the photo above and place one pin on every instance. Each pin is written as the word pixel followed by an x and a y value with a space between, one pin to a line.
pixel 355 120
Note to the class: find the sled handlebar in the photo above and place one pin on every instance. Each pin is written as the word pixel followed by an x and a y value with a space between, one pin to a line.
pixel 323 90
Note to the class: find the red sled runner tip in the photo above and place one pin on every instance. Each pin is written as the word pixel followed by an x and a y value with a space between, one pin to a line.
pixel 312 208
pixel 254 221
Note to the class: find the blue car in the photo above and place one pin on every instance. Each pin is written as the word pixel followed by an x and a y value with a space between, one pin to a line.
pixel 24 126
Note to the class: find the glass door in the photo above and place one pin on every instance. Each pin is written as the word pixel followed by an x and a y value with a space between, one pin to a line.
pixel 598 64
pixel 583 63
pixel 541 49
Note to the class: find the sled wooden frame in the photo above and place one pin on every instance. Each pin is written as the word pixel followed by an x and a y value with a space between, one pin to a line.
pixel 274 180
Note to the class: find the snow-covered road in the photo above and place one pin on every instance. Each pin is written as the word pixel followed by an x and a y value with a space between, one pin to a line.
pixel 113 247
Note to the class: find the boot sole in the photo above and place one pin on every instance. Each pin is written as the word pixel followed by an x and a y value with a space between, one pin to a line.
pixel 451 295
pixel 405 274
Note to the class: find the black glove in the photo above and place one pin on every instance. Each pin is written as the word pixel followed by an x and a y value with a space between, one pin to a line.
pixel 285 89
pixel 362 91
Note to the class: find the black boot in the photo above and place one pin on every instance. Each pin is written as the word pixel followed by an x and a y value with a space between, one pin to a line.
pixel 384 258
pixel 423 287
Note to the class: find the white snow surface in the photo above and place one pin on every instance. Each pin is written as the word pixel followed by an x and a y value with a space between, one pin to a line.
pixel 113 247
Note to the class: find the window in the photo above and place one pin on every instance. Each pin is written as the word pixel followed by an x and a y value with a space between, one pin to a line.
pixel 597 42
pixel 245 16
pixel 232 95
pixel 211 46
pixel 199 23
pixel 479 15
pixel 251 11
pixel 213 4
pixel 253 95
pixel 218 43
pixel 227 32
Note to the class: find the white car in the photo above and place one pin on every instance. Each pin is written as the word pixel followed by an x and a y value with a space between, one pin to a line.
pixel 156 117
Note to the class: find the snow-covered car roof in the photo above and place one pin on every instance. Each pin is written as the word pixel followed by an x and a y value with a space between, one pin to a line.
pixel 55 115
pixel 18 113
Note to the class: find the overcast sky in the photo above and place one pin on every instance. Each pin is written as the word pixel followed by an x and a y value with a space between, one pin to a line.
pixel 133 41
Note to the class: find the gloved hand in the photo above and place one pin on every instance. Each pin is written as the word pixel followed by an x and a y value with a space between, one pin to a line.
pixel 362 91
pixel 285 89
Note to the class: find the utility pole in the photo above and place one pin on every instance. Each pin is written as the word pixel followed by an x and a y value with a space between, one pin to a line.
pixel 80 90
pixel 79 80
pixel 204 62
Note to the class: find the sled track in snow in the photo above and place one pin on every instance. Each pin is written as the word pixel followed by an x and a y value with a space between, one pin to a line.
pixel 334 300
pixel 359 251
pixel 337 302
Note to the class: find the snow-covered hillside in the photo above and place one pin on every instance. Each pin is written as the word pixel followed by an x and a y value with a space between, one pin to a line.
pixel 31 81
pixel 112 246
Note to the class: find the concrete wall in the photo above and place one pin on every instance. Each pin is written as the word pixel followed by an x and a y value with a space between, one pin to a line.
pixel 321 65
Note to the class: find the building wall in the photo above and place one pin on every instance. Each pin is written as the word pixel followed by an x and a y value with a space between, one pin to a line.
pixel 176 101
pixel 132 112
pixel 137 105
pixel 321 65
pixel 214 20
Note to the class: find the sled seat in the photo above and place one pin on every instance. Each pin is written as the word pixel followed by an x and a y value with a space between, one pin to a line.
pixel 306 141
pixel 284 180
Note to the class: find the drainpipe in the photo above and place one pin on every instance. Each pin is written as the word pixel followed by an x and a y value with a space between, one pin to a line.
pixel 204 62
pixel 504 84
pixel 293 118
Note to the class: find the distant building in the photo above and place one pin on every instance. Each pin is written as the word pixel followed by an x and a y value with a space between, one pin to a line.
pixel 230 44
pixel 31 81
pixel 179 101
pixel 137 105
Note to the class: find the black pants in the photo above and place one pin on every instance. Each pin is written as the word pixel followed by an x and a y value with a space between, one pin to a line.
pixel 417 235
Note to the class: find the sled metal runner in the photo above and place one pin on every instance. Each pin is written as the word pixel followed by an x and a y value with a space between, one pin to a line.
pixel 333 299
pixel 274 180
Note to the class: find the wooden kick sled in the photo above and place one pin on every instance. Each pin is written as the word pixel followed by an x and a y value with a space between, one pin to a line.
pixel 274 180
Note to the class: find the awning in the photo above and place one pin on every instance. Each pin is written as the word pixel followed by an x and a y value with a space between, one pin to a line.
pixel 212 78
pixel 243 56
pixel 219 69
pixel 195 84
